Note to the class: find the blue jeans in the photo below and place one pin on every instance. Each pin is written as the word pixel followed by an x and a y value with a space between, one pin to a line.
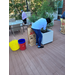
pixel 38 36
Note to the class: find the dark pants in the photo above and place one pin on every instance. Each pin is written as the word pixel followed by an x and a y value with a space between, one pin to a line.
pixel 38 36
pixel 25 21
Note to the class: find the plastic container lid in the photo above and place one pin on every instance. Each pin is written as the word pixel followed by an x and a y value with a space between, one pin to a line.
pixel 21 41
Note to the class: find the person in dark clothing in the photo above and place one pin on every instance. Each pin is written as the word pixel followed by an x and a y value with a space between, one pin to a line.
pixel 24 17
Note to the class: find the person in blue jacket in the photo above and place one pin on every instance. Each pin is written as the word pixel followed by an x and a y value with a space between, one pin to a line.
pixel 36 26
pixel 63 15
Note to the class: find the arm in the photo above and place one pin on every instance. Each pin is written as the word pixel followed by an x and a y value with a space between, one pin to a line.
pixel 44 28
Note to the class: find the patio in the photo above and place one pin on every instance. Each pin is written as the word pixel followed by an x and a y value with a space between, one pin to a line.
pixel 33 61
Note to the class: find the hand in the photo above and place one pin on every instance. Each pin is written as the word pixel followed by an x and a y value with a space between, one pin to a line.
pixel 44 31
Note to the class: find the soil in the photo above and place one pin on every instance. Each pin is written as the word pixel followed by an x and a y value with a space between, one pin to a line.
pixel 44 31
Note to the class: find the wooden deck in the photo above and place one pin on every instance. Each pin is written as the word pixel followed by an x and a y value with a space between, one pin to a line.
pixel 49 60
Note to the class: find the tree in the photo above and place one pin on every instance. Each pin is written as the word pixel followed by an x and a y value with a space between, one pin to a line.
pixel 36 4
pixel 16 7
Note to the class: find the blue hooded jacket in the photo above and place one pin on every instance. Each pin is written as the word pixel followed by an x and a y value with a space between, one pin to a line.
pixel 63 15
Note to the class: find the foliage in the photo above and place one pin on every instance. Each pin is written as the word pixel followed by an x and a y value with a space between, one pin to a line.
pixel 16 9
pixel 36 4
pixel 42 12
pixel 33 18
pixel 54 4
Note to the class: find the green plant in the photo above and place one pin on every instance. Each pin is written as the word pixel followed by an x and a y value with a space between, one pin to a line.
pixel 45 11
pixel 33 18
pixel 36 4
pixel 16 8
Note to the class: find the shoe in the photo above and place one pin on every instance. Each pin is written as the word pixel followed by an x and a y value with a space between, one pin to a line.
pixel 36 43
pixel 60 29
pixel 40 46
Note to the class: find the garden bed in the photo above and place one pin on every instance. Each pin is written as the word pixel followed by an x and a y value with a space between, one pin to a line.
pixel 47 36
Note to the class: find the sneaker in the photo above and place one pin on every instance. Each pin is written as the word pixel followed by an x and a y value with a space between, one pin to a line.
pixel 40 46
pixel 60 29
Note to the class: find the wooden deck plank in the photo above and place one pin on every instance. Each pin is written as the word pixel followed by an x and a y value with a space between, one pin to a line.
pixel 35 62
pixel 58 73
pixel 63 70
pixel 34 69
pixel 44 67
pixel 50 65
pixel 55 57
pixel 15 64
pixel 20 64
pixel 11 67
pixel 41 51
pixel 26 65
pixel 37 53
pixel 56 53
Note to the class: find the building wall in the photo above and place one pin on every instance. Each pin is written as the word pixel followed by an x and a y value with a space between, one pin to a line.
pixel 63 6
